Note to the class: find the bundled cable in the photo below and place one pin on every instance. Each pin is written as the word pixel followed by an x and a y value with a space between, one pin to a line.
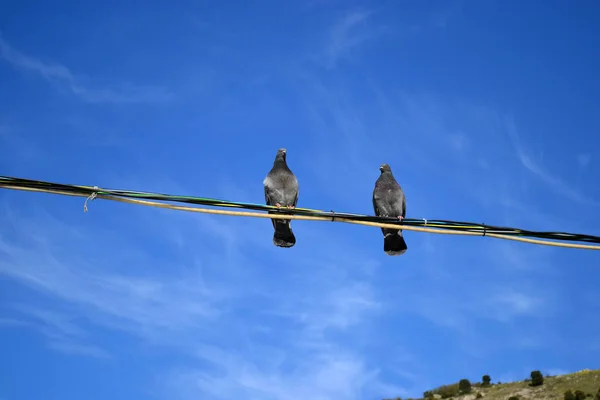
pixel 423 225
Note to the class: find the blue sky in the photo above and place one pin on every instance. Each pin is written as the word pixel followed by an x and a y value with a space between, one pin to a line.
pixel 485 110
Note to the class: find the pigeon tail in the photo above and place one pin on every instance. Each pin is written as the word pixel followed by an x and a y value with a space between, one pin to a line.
pixel 283 236
pixel 394 244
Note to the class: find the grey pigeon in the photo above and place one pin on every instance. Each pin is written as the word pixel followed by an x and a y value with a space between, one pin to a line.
pixel 389 201
pixel 281 190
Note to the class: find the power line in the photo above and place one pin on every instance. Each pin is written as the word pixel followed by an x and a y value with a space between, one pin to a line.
pixel 559 239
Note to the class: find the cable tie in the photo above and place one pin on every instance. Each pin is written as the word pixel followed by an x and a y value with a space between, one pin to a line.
pixel 91 197
pixel 332 216
pixel 425 221
pixel 483 229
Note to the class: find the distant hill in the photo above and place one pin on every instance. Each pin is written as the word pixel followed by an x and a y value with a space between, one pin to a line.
pixel 581 385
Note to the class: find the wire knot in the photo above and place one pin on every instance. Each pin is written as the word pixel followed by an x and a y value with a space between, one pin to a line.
pixel 91 197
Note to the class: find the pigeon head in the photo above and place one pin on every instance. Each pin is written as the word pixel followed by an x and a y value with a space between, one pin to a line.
pixel 281 153
pixel 385 168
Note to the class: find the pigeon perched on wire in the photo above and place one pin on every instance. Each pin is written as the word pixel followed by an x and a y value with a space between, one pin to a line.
pixel 281 190
pixel 389 201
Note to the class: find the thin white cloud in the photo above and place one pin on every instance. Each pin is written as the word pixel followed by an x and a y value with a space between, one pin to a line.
pixel 53 320
pixel 498 301
pixel 140 303
pixel 4 130
pixel 61 333
pixel 551 179
pixel 458 141
pixel 351 31
pixel 343 37
pixel 508 303
pixel 12 322
pixel 341 307
pixel 64 78
pixel 584 160
pixel 168 305
pixel 324 375
pixel 80 349
pixel 430 139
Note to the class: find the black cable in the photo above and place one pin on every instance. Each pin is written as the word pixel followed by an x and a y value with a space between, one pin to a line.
pixel 8 182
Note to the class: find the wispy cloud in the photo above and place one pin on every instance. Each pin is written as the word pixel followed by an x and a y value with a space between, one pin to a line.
pixel 353 29
pixel 132 302
pixel 508 303
pixel 328 374
pixel 55 321
pixel 457 137
pixel 584 160
pixel 12 322
pixel 4 130
pixel 61 333
pixel 184 302
pixel 551 179
pixel 440 17
pixel 79 349
pixel 63 78
pixel 345 36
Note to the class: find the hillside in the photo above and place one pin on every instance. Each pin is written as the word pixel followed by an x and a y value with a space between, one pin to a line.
pixel 582 385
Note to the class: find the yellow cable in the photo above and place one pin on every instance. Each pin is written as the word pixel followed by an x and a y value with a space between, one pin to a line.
pixel 256 214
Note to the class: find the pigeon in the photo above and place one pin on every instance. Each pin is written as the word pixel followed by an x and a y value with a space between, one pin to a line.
pixel 281 190
pixel 389 201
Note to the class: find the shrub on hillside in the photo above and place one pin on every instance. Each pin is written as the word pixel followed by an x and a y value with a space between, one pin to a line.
pixel 569 395
pixel 448 391
pixel 464 386
pixel 537 379
pixel 445 391
pixel 597 397
pixel 579 395
pixel 485 380
pixel 513 398
pixel 479 395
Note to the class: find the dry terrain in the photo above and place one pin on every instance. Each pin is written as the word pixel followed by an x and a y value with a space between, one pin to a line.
pixel 552 388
